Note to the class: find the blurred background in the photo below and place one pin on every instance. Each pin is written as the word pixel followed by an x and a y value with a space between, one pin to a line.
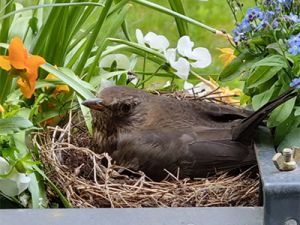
pixel 215 13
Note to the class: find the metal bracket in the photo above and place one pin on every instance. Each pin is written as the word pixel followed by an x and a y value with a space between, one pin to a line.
pixel 281 190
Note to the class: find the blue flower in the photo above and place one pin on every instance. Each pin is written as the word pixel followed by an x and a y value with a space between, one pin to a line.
pixel 245 26
pixel 294 50
pixel 294 40
pixel 278 3
pixel 294 18
pixel 239 33
pixel 294 44
pixel 295 83
pixel 275 24
pixel 267 17
pixel 253 14
pixel 286 3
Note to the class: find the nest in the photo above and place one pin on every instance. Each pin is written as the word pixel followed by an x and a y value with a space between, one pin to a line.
pixel 92 180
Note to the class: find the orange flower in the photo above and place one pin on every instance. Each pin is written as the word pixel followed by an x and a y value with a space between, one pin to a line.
pixel 224 94
pixel 59 88
pixel 26 66
pixel 227 55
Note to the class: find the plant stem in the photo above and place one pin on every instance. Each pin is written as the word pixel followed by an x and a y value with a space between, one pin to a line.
pixel 177 15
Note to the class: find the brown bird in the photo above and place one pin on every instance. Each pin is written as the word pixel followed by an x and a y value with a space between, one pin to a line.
pixel 154 133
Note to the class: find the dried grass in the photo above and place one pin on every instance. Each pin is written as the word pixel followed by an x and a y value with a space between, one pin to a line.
pixel 81 175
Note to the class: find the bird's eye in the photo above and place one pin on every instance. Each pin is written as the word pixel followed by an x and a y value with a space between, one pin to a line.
pixel 125 108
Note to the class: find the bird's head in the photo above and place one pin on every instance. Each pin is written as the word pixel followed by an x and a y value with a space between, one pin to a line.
pixel 116 108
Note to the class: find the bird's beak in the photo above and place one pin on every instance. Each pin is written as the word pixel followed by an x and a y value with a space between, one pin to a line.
pixel 94 103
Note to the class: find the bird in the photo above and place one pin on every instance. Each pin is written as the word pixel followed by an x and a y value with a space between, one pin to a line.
pixel 160 135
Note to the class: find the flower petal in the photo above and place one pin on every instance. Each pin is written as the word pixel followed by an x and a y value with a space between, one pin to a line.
pixel 199 89
pixel 187 86
pixel 226 50
pixel 158 42
pixel 183 68
pixel 150 37
pixel 27 87
pixel 61 88
pixel 121 60
pixel 32 65
pixel 22 181
pixel 202 89
pixel 4 63
pixel 139 36
pixel 227 55
pixel 170 55
pixel 184 46
pixel 202 57
pixel 17 53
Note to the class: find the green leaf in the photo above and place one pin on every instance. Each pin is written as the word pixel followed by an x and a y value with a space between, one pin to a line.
pixel 38 193
pixel 144 49
pixel 70 79
pixel 285 127
pixel 297 111
pixel 262 98
pixel 86 115
pixel 36 186
pixel 281 113
pixel 14 125
pixel 64 200
pixel 261 75
pixel 33 23
pixel 113 22
pixel 271 61
pixel 238 66
pixel 46 115
pixel 291 140
pixel 182 25
pixel 122 79
pixel 92 38
pixel 275 46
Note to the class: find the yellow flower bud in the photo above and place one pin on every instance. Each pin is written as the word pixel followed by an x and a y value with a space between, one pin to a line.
pixel 1 109
pixel 227 55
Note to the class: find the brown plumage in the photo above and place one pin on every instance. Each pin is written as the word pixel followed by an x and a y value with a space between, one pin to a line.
pixel 153 133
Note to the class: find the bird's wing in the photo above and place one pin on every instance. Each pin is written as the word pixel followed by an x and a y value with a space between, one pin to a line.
pixel 220 111
pixel 195 152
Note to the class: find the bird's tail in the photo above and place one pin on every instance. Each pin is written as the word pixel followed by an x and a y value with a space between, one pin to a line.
pixel 247 125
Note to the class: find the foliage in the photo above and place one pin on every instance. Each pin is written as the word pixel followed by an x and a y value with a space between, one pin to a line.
pixel 267 49
pixel 54 54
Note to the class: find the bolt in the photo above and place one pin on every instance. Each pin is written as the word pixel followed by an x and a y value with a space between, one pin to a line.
pixel 287 154
pixel 285 161
pixel 288 157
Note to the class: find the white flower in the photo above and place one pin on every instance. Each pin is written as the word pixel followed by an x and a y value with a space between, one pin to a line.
pixel 158 42
pixel 184 46
pixel 15 183
pixel 121 60
pixel 199 89
pixel 201 55
pixel 182 66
